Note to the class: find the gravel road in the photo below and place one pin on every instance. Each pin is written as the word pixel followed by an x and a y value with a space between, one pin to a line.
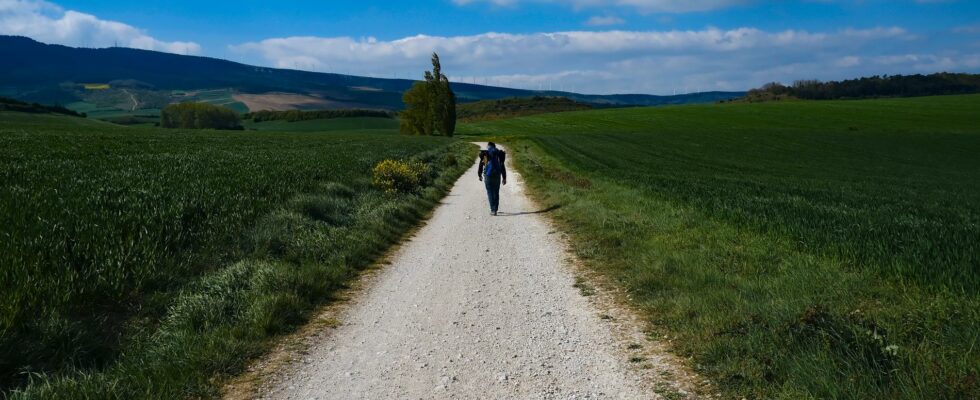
pixel 473 306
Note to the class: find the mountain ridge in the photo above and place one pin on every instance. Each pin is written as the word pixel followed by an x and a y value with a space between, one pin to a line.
pixel 52 73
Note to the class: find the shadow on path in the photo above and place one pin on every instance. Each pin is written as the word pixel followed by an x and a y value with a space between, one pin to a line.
pixel 546 210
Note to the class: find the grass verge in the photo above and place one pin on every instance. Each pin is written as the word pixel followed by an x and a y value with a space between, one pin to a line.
pixel 143 263
pixel 794 250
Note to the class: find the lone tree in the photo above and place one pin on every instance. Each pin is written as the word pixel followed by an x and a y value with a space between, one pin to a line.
pixel 430 105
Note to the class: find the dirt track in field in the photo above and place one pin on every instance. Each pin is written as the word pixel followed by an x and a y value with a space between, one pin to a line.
pixel 478 307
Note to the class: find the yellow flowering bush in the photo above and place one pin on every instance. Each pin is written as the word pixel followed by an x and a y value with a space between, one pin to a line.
pixel 393 176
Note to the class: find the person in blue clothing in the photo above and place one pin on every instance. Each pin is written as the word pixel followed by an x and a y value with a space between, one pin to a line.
pixel 493 172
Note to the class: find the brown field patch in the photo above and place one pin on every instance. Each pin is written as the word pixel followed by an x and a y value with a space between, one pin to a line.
pixel 365 89
pixel 286 101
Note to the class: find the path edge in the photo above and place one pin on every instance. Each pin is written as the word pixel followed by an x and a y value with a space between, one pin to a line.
pixel 624 320
pixel 264 371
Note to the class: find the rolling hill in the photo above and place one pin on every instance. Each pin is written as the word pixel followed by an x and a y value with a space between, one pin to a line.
pixel 119 80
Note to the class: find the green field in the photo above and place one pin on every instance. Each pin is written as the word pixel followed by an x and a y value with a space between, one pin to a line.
pixel 114 103
pixel 325 125
pixel 218 97
pixel 793 250
pixel 108 112
pixel 150 263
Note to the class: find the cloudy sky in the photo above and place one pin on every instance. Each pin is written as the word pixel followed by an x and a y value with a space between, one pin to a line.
pixel 591 46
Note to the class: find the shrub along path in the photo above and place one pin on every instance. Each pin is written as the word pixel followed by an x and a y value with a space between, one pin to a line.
pixel 476 306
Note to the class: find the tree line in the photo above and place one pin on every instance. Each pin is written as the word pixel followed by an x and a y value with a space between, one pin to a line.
pixel 300 115
pixel 200 116
pixel 869 87
pixel 486 110
pixel 8 104
pixel 430 105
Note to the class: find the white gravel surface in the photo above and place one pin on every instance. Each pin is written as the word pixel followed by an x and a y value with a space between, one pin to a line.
pixel 472 307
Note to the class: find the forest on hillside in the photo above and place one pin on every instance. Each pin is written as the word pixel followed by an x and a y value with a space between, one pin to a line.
pixel 487 110
pixel 7 104
pixel 870 87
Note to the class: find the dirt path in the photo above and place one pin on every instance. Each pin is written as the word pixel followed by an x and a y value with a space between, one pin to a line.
pixel 132 97
pixel 475 306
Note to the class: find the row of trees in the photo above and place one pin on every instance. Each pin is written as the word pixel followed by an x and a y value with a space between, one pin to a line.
pixel 875 86
pixel 299 115
pixel 8 104
pixel 430 105
pixel 486 110
pixel 200 116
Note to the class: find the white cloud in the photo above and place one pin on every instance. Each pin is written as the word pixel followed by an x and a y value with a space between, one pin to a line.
pixel 967 29
pixel 49 23
pixel 647 6
pixel 623 61
pixel 607 20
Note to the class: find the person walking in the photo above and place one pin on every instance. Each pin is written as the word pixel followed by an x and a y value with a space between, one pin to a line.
pixel 493 172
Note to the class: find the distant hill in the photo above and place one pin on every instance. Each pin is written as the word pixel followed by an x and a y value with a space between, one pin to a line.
pixel 118 80
pixel 487 110
pixel 869 87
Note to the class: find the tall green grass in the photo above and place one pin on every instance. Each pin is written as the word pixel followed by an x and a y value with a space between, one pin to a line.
pixel 143 263
pixel 794 250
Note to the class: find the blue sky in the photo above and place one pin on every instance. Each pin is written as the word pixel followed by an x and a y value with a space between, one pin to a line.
pixel 595 46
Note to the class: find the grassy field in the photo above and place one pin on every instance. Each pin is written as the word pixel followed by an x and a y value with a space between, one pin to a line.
pixel 793 250
pixel 115 104
pixel 148 263
pixel 325 125
pixel 218 97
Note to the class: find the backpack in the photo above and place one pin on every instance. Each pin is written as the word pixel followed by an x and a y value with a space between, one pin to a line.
pixel 495 162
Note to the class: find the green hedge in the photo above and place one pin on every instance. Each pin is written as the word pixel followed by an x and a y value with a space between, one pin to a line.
pixel 200 116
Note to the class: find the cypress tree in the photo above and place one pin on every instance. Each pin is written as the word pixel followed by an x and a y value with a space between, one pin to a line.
pixel 430 104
